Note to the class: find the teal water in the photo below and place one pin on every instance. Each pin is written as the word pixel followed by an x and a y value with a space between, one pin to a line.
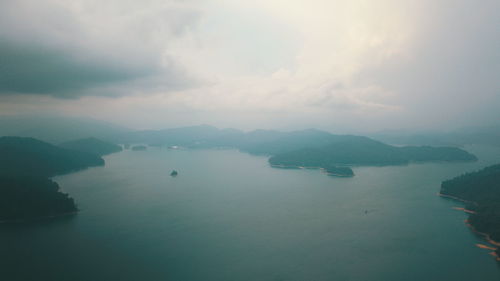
pixel 229 216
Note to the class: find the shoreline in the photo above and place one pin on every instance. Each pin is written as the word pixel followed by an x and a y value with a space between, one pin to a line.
pixel 310 168
pixel 483 235
pixel 464 210
pixel 294 167
pixel 488 239
pixel 336 175
pixel 455 198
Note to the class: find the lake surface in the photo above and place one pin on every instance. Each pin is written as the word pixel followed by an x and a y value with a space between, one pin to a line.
pixel 229 216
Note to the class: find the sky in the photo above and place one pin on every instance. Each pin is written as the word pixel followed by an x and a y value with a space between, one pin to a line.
pixel 337 65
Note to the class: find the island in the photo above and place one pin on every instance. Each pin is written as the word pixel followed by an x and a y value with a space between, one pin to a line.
pixel 139 148
pixel 480 192
pixel 337 171
pixel 362 151
pixel 26 190
pixel 92 145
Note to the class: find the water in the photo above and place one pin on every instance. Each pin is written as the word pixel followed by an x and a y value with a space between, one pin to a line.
pixel 229 216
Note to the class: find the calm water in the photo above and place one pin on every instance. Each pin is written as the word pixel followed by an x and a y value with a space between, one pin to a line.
pixel 229 216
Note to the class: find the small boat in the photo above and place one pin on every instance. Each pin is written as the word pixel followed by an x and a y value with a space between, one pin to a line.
pixel 174 173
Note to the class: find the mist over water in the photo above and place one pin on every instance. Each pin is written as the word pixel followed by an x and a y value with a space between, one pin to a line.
pixel 229 216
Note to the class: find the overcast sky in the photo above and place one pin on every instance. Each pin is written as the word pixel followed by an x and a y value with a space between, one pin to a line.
pixel 343 66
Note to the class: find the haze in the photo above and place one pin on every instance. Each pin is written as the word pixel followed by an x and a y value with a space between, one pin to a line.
pixel 341 66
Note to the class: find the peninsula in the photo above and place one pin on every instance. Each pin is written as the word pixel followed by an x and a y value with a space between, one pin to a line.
pixel 362 151
pixel 26 164
pixel 480 191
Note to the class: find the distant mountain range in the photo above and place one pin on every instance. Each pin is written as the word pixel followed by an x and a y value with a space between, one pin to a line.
pixel 484 135
pixel 310 148
pixel 56 129
pixel 305 148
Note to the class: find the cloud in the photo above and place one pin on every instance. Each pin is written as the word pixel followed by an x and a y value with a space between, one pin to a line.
pixel 266 63
pixel 450 75
pixel 74 48
pixel 27 69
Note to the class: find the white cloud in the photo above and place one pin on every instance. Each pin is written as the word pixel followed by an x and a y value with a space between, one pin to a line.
pixel 272 63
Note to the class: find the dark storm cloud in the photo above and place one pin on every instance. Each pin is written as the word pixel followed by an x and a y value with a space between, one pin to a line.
pixel 105 48
pixel 40 70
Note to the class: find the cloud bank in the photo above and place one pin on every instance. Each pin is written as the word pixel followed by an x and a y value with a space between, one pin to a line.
pixel 337 65
pixel 74 48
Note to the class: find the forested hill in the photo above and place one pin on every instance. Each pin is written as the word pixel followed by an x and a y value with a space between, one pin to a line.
pixel 27 198
pixel 28 156
pixel 354 150
pixel 482 188
pixel 92 145
pixel 26 192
